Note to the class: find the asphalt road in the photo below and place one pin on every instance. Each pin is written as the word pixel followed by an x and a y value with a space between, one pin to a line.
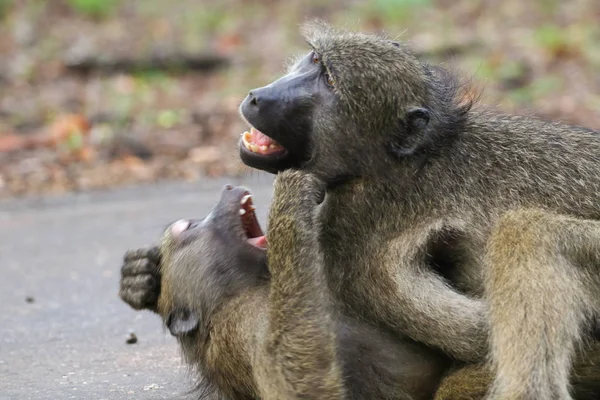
pixel 64 254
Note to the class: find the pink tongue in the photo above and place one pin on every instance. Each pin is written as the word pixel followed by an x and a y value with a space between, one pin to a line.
pixel 260 139
pixel 260 241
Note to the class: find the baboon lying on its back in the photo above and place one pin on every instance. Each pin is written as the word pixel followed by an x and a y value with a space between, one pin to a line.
pixel 269 332
pixel 272 332
pixel 443 222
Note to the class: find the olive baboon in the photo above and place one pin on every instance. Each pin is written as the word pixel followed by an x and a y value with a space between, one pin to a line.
pixel 215 299
pixel 460 228
pixel 269 332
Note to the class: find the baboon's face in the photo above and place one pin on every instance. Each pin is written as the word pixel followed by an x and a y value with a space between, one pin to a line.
pixel 282 115
pixel 205 261
pixel 337 111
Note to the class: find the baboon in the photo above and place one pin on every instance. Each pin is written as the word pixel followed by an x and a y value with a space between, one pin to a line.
pixel 215 298
pixel 254 331
pixel 467 230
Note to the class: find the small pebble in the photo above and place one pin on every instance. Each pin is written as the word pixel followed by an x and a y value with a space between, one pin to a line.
pixel 131 339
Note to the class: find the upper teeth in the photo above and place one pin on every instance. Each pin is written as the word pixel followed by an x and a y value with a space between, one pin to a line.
pixel 246 198
pixel 246 137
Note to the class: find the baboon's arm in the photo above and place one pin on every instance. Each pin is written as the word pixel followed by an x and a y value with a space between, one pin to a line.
pixel 411 298
pixel 430 311
pixel 140 278
pixel 301 344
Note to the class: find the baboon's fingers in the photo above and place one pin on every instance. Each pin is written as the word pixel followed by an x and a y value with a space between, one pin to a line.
pixel 140 291
pixel 139 300
pixel 139 267
pixel 140 282
pixel 151 253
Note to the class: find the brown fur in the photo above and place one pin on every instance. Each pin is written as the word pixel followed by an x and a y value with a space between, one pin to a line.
pixel 471 229
pixel 250 337
pixel 467 383
pixel 293 348
pixel 472 382
pixel 422 231
pixel 301 348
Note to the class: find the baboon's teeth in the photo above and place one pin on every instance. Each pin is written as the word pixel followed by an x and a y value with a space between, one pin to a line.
pixel 246 137
pixel 242 211
pixel 246 198
pixel 249 143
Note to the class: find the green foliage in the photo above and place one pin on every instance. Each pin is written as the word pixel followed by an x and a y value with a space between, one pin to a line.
pixel 537 89
pixel 395 10
pixel 551 37
pixel 152 77
pixel 74 141
pixel 123 106
pixel 167 118
pixel 211 19
pixel 5 7
pixel 94 8
pixel 511 70
pixel 549 7
pixel 391 5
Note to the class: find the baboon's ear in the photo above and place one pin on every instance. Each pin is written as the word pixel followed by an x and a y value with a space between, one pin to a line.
pixel 414 137
pixel 182 321
pixel 417 119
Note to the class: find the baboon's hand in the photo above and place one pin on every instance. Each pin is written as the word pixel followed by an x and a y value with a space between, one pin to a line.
pixel 140 278
pixel 298 194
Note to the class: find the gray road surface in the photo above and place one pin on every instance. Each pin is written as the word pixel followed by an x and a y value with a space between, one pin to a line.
pixel 65 253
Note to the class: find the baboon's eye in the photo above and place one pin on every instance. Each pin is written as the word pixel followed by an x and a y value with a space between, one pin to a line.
pixel 315 58
pixel 329 80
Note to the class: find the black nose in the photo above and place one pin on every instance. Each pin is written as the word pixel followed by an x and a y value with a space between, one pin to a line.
pixel 253 98
pixel 262 97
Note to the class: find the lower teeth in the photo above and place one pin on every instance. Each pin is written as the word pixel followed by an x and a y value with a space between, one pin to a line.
pixel 247 136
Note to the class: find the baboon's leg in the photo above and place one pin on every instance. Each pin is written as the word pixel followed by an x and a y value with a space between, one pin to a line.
pixel 541 285
pixel 467 383
pixel 472 382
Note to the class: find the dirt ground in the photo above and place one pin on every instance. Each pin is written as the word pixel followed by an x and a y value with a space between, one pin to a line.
pixel 100 93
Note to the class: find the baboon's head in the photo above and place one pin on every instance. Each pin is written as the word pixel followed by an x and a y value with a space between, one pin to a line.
pixel 206 261
pixel 351 106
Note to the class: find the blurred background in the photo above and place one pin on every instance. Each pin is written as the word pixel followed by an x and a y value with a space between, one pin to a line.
pixel 99 94
pixel 104 93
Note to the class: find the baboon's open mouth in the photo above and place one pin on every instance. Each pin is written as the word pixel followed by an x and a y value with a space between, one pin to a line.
pixel 254 233
pixel 257 142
